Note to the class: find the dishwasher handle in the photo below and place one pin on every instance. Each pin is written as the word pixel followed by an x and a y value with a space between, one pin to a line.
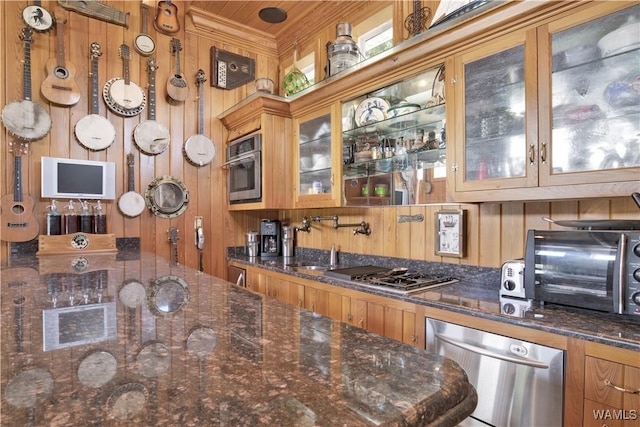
pixel 240 281
pixel 495 355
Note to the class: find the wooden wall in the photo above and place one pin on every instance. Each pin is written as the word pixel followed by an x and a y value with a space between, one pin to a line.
pixel 496 231
pixel 206 184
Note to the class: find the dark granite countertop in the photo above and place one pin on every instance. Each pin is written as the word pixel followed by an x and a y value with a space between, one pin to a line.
pixel 133 339
pixel 475 294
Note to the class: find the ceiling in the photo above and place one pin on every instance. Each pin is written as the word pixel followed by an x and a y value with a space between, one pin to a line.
pixel 246 12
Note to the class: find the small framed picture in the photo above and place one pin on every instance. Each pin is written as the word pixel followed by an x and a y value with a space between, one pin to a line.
pixel 450 233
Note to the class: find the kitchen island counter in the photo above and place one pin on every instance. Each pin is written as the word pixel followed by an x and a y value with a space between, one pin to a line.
pixel 139 340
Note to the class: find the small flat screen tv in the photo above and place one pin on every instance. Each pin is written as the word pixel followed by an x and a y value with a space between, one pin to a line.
pixel 77 179
pixel 78 325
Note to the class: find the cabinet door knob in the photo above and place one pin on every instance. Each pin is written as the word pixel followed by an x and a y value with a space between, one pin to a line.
pixel 543 153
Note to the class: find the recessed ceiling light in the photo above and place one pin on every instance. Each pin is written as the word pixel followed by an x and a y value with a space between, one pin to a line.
pixel 272 15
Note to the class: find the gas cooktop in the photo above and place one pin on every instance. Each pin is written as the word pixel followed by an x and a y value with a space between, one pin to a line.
pixel 398 280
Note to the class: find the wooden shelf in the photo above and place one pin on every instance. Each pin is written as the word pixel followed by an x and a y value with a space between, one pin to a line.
pixel 77 243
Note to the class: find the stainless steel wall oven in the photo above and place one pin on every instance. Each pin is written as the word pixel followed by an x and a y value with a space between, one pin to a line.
pixel 244 166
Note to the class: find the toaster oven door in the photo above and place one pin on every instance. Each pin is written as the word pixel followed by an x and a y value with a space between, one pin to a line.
pixel 577 268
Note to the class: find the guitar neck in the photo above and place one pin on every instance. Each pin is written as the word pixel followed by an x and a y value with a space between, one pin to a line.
pixel 17 178
pixel 95 90
pixel 26 71
pixel 201 109
pixel 60 42
pixel 131 175
pixel 152 90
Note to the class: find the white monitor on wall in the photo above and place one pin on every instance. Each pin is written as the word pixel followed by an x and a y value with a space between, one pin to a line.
pixel 77 179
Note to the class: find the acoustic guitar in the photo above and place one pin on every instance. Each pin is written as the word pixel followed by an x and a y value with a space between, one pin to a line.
pixel 177 86
pixel 121 95
pixel 26 119
pixel 60 87
pixel 94 131
pixel 150 136
pixel 167 18
pixel 18 221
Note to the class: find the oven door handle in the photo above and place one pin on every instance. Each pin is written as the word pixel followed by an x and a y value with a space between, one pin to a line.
pixel 251 155
pixel 489 353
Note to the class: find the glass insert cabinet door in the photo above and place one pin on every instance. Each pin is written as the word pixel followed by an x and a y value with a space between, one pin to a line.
pixel 595 97
pixel 494 105
pixel 315 156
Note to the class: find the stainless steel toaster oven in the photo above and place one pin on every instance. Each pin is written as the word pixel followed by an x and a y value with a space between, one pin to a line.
pixel 592 269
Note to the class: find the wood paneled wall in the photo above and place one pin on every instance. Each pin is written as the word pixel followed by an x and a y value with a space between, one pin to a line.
pixel 496 231
pixel 206 184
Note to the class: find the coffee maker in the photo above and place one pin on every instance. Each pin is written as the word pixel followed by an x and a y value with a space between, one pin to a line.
pixel 270 238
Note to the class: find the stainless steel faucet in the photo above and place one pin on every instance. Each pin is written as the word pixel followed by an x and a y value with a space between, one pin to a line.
pixel 306 225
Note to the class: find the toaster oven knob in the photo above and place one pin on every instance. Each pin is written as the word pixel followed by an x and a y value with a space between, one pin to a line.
pixel 509 285
pixel 636 274
pixel 635 297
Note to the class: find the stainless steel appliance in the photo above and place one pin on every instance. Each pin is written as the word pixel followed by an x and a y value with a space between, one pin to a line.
pixel 253 244
pixel 518 383
pixel 592 269
pixel 397 280
pixel 243 163
pixel 270 238
pixel 287 241
pixel 512 279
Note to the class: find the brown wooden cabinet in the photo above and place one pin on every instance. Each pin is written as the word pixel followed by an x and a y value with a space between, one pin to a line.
pixel 528 104
pixel 269 115
pixel 317 159
pixel 611 393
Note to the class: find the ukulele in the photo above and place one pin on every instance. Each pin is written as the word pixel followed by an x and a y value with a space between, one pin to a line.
pixel 199 149
pixel 177 87
pixel 123 96
pixel 18 221
pixel 167 18
pixel 173 238
pixel 60 87
pixel 150 136
pixel 25 119
pixel 94 131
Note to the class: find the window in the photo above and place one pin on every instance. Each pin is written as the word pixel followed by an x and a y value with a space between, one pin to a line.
pixel 376 40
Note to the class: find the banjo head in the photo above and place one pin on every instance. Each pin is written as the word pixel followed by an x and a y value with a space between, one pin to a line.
pixel 199 150
pixel 26 120
pixel 37 18
pixel 124 99
pixel 95 132
pixel 151 137
pixel 144 44
pixel 131 204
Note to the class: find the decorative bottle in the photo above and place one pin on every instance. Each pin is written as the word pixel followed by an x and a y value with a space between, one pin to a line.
pixel 85 219
pixel 70 219
pixel 53 220
pixel 99 219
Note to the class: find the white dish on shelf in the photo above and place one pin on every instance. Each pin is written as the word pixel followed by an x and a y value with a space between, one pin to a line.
pixel 371 110
pixel 621 40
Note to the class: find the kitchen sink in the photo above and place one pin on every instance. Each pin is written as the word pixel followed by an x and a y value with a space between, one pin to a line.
pixel 307 265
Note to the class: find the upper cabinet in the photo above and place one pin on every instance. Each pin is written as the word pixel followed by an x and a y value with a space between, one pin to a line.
pixel 316 160
pixel 393 143
pixel 554 109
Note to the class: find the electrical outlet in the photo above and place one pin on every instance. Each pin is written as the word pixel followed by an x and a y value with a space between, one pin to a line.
pixel 197 222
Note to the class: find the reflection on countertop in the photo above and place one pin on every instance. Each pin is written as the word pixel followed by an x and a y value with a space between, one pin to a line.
pixel 476 294
pixel 138 340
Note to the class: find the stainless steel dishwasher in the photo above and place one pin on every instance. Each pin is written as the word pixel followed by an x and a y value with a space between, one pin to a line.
pixel 518 383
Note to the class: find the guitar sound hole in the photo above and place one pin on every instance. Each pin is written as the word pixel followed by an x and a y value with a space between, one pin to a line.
pixel 61 73
pixel 17 209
